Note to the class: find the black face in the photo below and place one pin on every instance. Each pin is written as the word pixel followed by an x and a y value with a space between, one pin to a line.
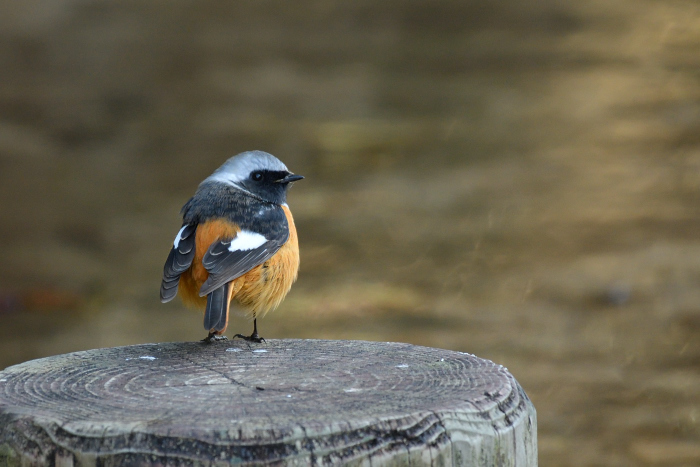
pixel 269 185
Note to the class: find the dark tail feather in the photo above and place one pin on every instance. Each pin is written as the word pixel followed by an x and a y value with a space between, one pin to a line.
pixel 216 314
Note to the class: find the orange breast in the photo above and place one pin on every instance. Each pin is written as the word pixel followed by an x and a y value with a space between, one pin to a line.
pixel 259 290
pixel 265 286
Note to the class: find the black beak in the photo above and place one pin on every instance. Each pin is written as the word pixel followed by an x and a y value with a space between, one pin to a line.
pixel 290 178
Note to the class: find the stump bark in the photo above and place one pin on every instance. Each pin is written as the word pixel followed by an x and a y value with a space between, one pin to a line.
pixel 284 402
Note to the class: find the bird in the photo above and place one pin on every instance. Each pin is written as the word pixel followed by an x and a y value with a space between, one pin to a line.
pixel 238 242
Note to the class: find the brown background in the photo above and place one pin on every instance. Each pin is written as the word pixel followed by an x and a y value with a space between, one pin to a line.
pixel 519 180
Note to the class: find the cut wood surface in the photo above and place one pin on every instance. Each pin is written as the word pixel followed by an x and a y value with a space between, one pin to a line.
pixel 293 402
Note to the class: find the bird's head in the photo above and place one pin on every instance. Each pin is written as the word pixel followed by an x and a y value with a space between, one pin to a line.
pixel 257 173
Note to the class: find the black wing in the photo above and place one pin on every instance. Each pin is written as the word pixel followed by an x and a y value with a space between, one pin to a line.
pixel 179 259
pixel 225 263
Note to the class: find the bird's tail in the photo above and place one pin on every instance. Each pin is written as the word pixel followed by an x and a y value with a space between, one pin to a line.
pixel 216 313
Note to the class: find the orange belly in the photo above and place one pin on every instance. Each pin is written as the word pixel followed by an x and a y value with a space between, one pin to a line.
pixel 259 290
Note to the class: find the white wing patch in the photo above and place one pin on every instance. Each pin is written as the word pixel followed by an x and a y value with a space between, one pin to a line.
pixel 246 240
pixel 178 237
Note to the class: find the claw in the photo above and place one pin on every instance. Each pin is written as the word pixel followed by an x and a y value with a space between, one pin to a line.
pixel 211 338
pixel 253 337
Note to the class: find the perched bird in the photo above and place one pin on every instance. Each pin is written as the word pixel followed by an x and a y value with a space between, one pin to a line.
pixel 237 242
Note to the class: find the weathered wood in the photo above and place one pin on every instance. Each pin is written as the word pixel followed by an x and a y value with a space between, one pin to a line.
pixel 293 402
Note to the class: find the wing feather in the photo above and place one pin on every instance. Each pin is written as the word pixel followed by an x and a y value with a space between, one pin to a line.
pixel 225 264
pixel 179 260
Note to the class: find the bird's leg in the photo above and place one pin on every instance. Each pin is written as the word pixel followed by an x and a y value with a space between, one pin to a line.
pixel 255 337
pixel 212 337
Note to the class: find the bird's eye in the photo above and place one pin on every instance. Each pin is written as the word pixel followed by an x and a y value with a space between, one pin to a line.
pixel 257 176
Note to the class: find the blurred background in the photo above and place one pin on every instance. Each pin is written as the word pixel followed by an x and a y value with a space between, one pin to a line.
pixel 518 180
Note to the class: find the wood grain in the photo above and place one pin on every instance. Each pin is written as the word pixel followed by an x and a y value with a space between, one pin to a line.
pixel 293 402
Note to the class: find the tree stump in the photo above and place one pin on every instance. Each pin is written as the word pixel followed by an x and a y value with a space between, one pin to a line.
pixel 283 402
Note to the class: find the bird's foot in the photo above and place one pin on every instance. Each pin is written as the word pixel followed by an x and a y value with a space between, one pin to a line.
pixel 211 338
pixel 252 338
